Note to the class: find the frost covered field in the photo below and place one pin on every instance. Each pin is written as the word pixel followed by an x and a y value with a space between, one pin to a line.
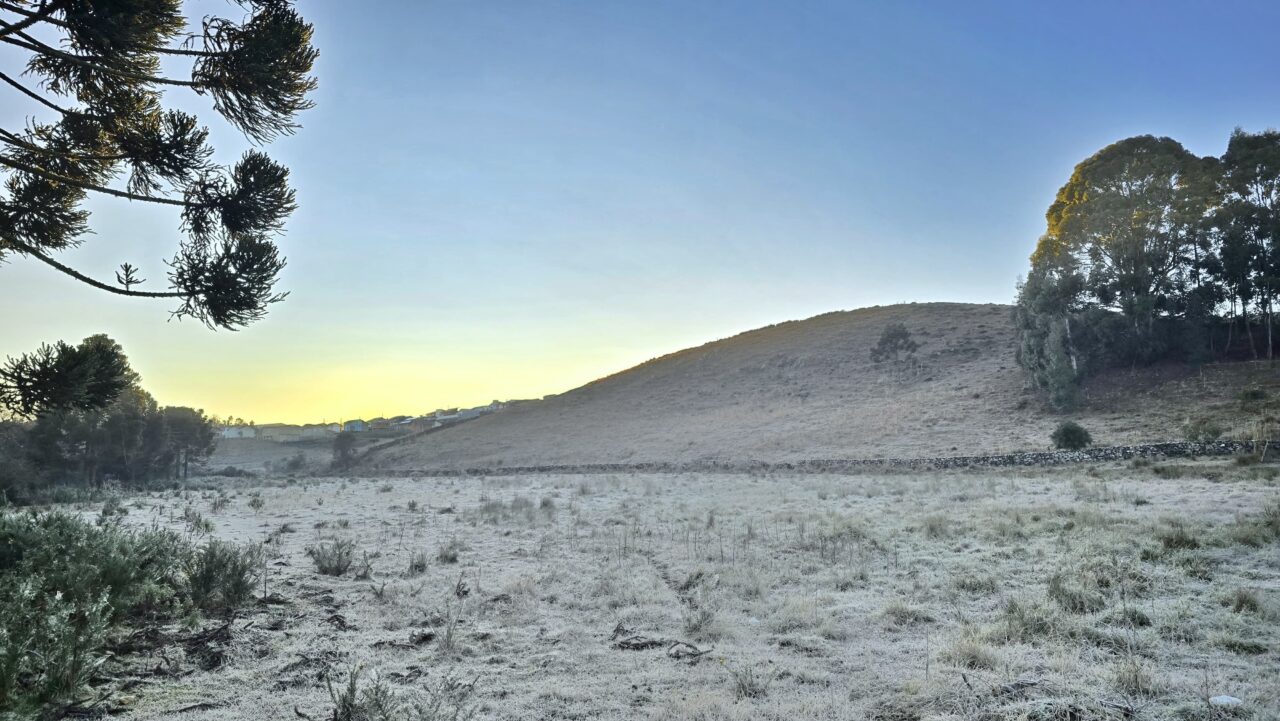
pixel 970 595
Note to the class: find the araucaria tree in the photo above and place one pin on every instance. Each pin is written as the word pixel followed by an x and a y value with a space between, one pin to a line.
pixel 93 82
pixel 1150 253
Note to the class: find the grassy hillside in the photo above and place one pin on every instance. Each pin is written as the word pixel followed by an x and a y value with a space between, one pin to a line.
pixel 808 389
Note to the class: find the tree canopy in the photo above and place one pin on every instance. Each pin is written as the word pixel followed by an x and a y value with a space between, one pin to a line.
pixel 94 72
pixel 61 377
pixel 1151 252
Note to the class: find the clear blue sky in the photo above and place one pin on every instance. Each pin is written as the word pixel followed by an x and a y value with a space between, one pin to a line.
pixel 506 199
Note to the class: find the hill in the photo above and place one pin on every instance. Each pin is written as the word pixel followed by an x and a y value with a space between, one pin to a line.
pixel 808 389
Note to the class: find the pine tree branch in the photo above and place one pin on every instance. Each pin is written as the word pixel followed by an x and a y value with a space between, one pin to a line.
pixel 17 141
pixel 164 50
pixel 31 44
pixel 31 18
pixel 35 96
pixel 57 178
pixel 36 253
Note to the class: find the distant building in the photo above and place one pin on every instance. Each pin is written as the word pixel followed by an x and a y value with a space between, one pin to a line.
pixel 320 430
pixel 423 423
pixel 280 432
pixel 240 432
pixel 356 426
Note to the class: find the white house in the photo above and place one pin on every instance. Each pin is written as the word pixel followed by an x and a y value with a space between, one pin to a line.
pixel 240 432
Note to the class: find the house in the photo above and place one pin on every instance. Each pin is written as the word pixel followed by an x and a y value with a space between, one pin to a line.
pixel 356 426
pixel 379 424
pixel 320 430
pixel 240 432
pixel 423 423
pixel 280 432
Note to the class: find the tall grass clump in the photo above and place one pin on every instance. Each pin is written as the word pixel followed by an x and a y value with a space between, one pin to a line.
pixel 333 557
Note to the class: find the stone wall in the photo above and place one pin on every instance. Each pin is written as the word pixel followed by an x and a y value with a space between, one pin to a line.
pixel 1154 451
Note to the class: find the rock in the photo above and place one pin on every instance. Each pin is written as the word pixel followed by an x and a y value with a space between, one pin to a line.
pixel 1225 701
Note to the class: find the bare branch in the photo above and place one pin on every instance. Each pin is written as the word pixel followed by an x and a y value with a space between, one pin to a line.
pixel 36 253
pixel 34 95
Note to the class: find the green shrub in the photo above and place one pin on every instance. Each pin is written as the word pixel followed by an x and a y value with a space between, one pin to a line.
pixel 220 576
pixel 333 557
pixel 1070 436
pixel 49 645
pixel 65 582
pixel 139 570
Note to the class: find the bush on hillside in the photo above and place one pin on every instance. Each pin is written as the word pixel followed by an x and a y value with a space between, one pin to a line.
pixel 1202 430
pixel 1070 436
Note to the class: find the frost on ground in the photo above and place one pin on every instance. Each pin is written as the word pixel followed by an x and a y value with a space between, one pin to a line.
pixel 1063 594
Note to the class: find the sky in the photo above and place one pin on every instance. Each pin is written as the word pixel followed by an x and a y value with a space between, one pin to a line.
pixel 509 199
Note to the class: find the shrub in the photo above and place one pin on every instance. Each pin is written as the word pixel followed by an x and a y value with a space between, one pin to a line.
pixel 902 614
pixel 1243 600
pixel 139 570
pixel 1253 395
pixel 49 645
pixel 220 575
pixel 448 553
pixel 333 557
pixel 1075 596
pixel 418 563
pixel 295 463
pixel 970 652
pixel 1202 430
pixel 1070 436
pixel 751 683
pixel 1176 537
pixel 64 583
pixel 449 699
pixel 113 507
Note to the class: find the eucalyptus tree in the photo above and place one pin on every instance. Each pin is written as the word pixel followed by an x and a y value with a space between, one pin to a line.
pixel 1126 215
pixel 1249 221
pixel 93 82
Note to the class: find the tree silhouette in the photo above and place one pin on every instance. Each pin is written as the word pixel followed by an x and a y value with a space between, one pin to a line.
pixel 895 345
pixel 93 72
pixel 99 83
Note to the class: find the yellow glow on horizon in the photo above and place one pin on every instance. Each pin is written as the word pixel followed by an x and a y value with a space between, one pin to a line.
pixel 289 392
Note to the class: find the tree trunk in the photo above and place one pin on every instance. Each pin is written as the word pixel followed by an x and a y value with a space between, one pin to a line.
pixel 1231 329
pixel 1248 330
pixel 1270 346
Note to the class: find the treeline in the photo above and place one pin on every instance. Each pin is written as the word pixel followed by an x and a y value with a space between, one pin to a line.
pixel 126 438
pixel 1154 253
